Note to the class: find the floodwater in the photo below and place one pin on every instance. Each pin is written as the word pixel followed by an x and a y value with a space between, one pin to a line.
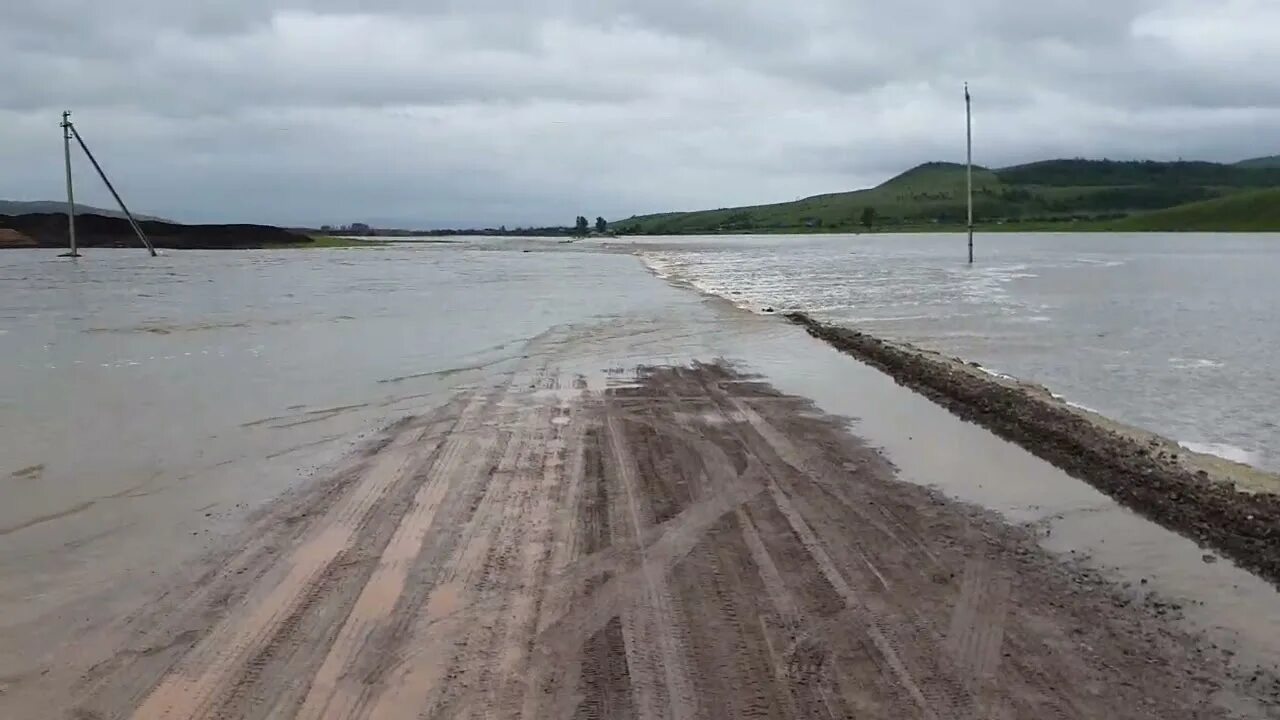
pixel 176 392
pixel 1176 334
pixel 147 406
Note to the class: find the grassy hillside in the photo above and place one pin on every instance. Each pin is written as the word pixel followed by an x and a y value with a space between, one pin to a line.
pixel 1272 161
pixel 932 196
pixel 1255 211
pixel 1111 173
pixel 936 189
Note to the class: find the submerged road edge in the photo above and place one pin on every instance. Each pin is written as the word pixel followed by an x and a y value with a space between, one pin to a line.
pixel 1138 470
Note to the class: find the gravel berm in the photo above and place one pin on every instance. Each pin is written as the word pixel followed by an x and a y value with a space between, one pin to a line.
pixel 1243 526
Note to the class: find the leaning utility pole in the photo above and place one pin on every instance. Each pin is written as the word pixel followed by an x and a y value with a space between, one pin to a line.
pixel 69 131
pixel 141 235
pixel 71 196
pixel 968 117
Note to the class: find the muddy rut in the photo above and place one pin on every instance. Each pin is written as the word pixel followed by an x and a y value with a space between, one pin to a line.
pixel 686 543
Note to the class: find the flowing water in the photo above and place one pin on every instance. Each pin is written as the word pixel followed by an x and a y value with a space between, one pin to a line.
pixel 147 404
pixel 1177 334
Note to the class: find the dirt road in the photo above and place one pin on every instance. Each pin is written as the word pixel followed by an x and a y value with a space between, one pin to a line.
pixel 685 543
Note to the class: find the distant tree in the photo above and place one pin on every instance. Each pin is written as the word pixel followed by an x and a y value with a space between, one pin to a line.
pixel 503 229
pixel 868 217
pixel 601 225
pixel 581 226
pixel 326 228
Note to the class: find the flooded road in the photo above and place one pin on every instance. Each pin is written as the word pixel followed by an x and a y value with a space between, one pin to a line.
pixel 684 542
pixel 147 405
pixel 612 498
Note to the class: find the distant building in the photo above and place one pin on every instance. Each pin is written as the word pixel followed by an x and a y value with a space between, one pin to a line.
pixel 359 228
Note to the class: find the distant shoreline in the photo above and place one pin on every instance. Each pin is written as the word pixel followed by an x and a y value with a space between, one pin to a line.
pixel 1084 195
pixel 1011 228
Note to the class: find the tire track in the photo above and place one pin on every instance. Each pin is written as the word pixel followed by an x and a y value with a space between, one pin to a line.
pixel 504 587
pixel 329 696
pixel 298 652
pixel 607 693
pixel 760 644
pixel 874 629
pixel 976 635
pixel 877 631
pixel 192 689
pixel 944 684
pixel 580 529
pixel 440 639
pixel 139 649
pixel 660 674
pixel 790 625
pixel 576 659
pixel 507 676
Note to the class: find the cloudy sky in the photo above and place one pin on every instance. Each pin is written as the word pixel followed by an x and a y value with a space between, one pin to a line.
pixel 474 112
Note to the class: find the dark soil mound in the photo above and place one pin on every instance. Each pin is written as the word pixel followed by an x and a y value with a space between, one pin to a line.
pixel 50 230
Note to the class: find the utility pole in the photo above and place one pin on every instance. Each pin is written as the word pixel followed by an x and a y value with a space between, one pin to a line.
pixel 71 197
pixel 68 131
pixel 968 117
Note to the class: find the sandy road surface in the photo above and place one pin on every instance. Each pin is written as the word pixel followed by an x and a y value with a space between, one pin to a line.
pixel 681 543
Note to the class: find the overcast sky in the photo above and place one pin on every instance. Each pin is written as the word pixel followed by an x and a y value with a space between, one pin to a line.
pixel 474 112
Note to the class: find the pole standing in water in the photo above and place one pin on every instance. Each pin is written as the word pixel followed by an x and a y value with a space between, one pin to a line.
pixel 69 131
pixel 968 118
pixel 119 201
pixel 71 196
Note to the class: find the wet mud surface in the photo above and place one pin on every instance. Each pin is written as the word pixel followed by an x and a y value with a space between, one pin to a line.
pixel 1143 476
pixel 677 542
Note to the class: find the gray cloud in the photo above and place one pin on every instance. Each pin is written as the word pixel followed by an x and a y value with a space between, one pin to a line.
pixel 497 111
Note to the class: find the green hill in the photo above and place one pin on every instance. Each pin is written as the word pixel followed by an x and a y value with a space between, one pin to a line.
pixel 1145 173
pixel 932 196
pixel 1254 211
pixel 930 190
pixel 1272 161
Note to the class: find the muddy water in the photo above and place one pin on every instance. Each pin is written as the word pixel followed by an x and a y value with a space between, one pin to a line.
pixel 147 405
pixel 161 402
